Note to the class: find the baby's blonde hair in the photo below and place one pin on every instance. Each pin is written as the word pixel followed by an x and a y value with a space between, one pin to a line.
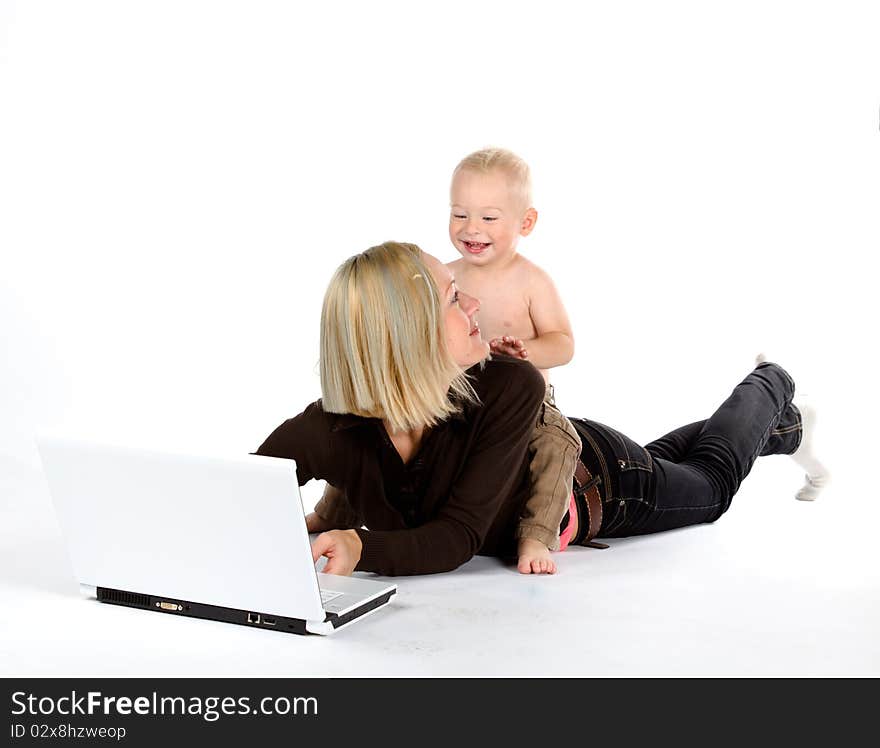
pixel 513 167
pixel 383 342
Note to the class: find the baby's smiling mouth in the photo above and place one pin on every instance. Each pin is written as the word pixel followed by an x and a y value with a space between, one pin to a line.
pixel 475 246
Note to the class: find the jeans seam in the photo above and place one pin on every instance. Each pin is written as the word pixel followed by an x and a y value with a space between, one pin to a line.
pixel 618 520
pixel 801 424
pixel 787 429
pixel 768 432
pixel 689 508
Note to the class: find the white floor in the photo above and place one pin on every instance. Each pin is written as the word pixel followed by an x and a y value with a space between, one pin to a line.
pixel 775 588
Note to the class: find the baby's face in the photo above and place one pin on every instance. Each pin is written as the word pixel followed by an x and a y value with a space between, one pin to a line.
pixel 485 219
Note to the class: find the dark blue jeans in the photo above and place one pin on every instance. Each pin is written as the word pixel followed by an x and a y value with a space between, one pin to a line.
pixel 690 475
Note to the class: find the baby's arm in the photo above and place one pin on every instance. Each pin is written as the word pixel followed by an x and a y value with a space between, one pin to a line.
pixel 553 344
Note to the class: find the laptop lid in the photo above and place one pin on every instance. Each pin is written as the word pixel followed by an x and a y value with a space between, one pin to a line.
pixel 226 531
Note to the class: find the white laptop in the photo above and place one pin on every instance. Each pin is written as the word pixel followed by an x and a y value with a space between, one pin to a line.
pixel 204 537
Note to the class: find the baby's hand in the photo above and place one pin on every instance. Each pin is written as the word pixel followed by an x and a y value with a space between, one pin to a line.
pixel 508 345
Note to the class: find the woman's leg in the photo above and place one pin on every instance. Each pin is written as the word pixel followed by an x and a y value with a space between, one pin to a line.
pixel 698 468
pixel 675 445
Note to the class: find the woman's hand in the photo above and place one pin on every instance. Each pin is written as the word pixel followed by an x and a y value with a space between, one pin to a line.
pixel 342 549
pixel 316 523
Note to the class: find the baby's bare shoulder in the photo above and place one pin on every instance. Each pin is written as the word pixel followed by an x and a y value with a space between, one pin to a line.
pixel 531 274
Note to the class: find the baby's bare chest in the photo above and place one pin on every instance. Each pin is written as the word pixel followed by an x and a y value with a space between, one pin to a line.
pixel 504 310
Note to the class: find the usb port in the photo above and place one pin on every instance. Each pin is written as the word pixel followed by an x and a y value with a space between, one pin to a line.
pixel 268 621
pixel 253 617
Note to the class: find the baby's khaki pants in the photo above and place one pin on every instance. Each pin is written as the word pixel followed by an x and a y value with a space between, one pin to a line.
pixel 553 452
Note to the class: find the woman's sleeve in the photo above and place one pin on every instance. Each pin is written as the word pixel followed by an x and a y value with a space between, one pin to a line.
pixel 494 466
pixel 305 439
pixel 334 507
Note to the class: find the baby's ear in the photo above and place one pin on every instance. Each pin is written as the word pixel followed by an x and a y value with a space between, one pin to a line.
pixel 528 222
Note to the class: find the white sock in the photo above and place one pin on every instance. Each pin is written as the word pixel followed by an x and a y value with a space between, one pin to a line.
pixel 817 475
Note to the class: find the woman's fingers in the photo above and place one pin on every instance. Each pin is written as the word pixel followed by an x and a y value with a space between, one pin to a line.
pixel 342 549
pixel 321 545
pixel 337 566
pixel 316 523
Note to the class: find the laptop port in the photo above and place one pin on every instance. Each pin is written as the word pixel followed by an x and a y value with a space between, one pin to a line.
pixel 253 617
pixel 268 621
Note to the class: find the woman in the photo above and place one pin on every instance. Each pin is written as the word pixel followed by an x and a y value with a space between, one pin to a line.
pixel 425 438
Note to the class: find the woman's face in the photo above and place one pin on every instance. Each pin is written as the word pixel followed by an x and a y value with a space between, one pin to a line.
pixel 462 331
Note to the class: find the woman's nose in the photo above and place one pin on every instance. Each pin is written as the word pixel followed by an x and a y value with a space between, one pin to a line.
pixel 471 304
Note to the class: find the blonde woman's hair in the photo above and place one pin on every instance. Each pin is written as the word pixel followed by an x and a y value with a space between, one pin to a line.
pixel 383 342
pixel 517 171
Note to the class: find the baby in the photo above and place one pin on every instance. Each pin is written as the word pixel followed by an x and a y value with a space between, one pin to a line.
pixel 523 316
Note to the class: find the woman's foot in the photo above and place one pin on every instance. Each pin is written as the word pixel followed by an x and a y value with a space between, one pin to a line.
pixel 811 488
pixel 534 557
pixel 817 475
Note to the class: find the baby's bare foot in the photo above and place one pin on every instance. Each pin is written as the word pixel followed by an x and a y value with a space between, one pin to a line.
pixel 534 557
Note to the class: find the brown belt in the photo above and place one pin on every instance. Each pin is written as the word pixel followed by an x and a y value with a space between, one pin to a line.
pixel 588 487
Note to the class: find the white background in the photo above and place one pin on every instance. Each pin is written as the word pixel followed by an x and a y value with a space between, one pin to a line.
pixel 178 180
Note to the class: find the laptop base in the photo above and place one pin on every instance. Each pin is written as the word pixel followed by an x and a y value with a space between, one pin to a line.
pixel 173 606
